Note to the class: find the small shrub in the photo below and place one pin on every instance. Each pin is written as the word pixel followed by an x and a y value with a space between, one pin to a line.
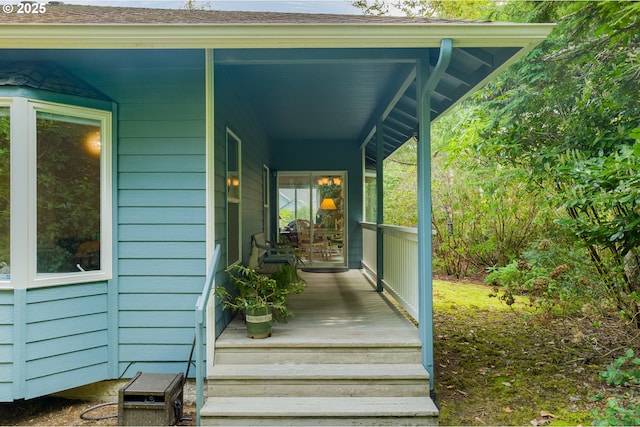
pixel 550 274
pixel 622 409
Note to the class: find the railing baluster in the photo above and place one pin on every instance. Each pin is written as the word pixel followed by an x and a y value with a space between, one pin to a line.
pixel 400 262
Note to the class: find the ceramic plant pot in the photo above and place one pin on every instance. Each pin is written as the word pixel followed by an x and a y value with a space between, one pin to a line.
pixel 258 322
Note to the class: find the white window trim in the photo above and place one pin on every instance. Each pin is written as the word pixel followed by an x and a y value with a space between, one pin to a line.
pixel 23 194
pixel 266 201
pixel 237 200
pixel 8 102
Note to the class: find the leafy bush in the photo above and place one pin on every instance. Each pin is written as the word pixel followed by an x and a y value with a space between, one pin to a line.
pixel 552 274
pixel 621 410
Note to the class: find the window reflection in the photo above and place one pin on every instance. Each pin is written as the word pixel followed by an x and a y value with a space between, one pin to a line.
pixel 5 262
pixel 68 194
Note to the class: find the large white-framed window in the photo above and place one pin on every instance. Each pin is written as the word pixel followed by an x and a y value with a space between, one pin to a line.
pixel 234 198
pixel 60 208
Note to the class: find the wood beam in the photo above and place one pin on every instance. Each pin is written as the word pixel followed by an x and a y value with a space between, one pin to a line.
pixel 387 106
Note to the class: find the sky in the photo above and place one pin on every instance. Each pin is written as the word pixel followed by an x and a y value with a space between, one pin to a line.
pixel 303 6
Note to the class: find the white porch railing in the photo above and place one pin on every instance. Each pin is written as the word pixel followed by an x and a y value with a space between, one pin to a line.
pixel 400 262
pixel 201 313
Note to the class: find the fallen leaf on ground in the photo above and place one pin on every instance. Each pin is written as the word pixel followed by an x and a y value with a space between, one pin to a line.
pixel 545 414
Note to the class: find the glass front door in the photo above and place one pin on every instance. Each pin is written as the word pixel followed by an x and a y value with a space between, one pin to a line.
pixel 311 216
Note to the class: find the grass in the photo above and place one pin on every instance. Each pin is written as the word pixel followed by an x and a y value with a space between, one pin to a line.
pixel 516 365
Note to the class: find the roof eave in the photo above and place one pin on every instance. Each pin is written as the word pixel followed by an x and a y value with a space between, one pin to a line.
pixel 175 36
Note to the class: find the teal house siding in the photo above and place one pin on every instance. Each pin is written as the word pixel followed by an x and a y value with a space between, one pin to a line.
pixel 58 337
pixel 234 111
pixel 161 206
pixel 6 345
pixel 66 337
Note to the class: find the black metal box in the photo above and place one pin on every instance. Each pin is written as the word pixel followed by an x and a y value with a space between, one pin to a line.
pixel 151 400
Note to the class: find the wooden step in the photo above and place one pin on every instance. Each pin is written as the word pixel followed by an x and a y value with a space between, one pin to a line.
pixel 306 380
pixel 319 411
pixel 332 353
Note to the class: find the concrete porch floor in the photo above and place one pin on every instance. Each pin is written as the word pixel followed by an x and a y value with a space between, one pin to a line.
pixel 335 309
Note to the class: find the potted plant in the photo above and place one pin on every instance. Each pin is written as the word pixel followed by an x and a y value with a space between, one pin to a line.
pixel 288 283
pixel 260 298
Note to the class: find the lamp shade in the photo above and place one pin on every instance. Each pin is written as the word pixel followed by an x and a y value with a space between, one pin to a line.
pixel 328 204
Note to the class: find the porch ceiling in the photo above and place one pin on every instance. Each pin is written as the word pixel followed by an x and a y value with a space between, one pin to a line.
pixel 340 94
pixel 334 94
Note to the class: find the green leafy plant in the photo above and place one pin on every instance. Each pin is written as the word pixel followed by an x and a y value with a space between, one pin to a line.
pixel 256 291
pixel 622 409
pixel 288 279
pixel 553 275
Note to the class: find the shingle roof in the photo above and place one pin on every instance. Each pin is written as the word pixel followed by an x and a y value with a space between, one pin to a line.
pixel 46 76
pixel 77 14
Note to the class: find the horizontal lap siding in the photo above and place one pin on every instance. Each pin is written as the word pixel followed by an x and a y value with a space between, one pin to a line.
pixel 6 346
pixel 161 209
pixel 236 113
pixel 66 336
pixel 59 337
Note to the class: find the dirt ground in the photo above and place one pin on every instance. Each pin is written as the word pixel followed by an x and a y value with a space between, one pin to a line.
pixel 56 411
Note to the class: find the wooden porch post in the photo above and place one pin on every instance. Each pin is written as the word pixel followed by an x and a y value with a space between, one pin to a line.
pixel 379 205
pixel 426 84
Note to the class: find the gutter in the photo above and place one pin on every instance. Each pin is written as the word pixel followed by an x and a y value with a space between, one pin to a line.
pixel 203 36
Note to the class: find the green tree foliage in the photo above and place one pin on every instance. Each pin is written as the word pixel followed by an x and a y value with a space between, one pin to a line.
pixel 567 115
pixel 468 9
pixel 4 186
pixel 197 5
pixel 554 135
pixel 576 91
pixel 483 216
pixel 401 199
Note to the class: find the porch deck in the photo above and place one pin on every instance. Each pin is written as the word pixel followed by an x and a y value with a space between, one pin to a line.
pixel 348 357
pixel 336 308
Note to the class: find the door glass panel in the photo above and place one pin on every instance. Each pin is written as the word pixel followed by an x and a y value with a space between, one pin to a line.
pixel 294 207
pixel 311 216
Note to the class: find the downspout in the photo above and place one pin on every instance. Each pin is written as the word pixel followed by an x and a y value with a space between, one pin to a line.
pixel 427 83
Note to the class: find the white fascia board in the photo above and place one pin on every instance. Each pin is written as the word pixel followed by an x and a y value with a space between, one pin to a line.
pixel 208 36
